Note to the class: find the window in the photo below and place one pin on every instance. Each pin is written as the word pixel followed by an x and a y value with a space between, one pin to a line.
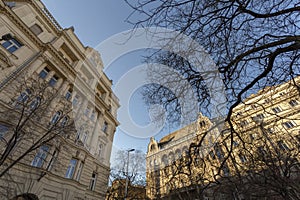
pixel 69 94
pixel 212 155
pixel 218 152
pixel 202 124
pixel 105 126
pixel 36 29
pixel 262 151
pixel 71 168
pixel 56 117
pixel 43 74
pixel 276 110
pixel 93 115
pixel 293 102
pixel 53 159
pixel 87 111
pixel 260 116
pixel 84 137
pixel 79 133
pixel 79 170
pixel 40 157
pixel 242 158
pixel 35 103
pixel 64 121
pixel 11 45
pixel 235 143
pixel 10 4
pixel 53 80
pixel 289 124
pixel 254 106
pixel 282 146
pixel 24 96
pixel 244 123
pixel 270 130
pixel 75 100
pixel 3 130
pixel 93 181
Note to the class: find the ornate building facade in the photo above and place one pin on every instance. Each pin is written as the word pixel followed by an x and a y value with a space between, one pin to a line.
pixel 42 157
pixel 255 156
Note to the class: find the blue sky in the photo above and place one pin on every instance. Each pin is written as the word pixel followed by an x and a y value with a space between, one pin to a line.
pixel 94 21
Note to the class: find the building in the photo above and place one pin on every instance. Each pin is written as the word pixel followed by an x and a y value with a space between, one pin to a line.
pixel 51 85
pixel 255 156
pixel 117 191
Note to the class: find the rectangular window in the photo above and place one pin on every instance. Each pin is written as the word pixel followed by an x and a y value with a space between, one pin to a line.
pixel 71 168
pixel 69 94
pixel 75 100
pixel 293 102
pixel 87 111
pixel 52 161
pixel 10 4
pixel 242 158
pixel 3 130
pixel 105 126
pixel 53 81
pixel 93 115
pixel 260 116
pixel 276 109
pixel 212 155
pixel 244 123
pixel 79 170
pixel 11 45
pixel 288 124
pixel 282 146
pixel 43 74
pixel 93 181
pixel 40 157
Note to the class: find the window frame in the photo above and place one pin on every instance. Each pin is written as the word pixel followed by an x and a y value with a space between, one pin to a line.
pixel 12 45
pixel 71 168
pixel 40 157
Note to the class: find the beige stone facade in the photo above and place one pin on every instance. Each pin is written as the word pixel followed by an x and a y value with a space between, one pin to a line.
pixel 35 47
pixel 257 158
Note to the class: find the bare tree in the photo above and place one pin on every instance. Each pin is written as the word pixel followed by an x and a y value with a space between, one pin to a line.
pixel 135 175
pixel 36 115
pixel 255 44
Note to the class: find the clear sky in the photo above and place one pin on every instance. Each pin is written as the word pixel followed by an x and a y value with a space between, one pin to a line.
pixel 95 21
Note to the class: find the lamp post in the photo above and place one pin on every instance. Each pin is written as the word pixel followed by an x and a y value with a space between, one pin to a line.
pixel 126 186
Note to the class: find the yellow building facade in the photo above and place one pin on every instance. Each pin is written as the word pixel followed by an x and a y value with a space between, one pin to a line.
pixel 255 156
pixel 75 164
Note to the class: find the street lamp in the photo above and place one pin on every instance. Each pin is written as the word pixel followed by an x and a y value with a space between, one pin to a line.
pixel 126 186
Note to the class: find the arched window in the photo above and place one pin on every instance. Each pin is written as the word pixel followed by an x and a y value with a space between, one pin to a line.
pixel 24 96
pixel 56 117
pixel 35 103
pixel 64 121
